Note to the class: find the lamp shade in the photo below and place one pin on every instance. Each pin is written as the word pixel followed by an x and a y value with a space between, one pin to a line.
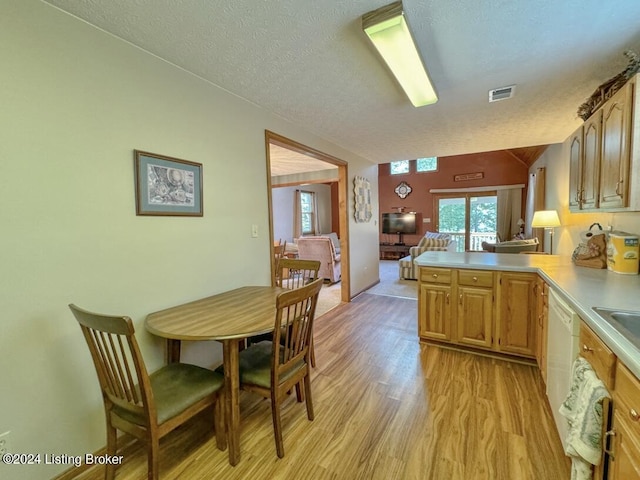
pixel 545 219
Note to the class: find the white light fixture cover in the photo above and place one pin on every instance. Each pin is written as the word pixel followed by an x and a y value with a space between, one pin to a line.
pixel 387 29
pixel 545 219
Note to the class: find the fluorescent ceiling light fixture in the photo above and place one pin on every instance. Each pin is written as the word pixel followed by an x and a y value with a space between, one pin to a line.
pixel 387 29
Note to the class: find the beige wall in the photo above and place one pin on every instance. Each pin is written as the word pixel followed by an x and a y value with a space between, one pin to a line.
pixel 74 104
pixel 556 162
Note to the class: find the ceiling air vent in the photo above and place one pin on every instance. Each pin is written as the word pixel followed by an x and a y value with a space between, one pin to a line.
pixel 502 93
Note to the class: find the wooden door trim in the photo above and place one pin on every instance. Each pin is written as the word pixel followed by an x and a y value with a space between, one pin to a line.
pixel 272 138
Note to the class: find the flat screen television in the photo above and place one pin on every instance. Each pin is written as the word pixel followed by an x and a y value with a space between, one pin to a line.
pixel 399 223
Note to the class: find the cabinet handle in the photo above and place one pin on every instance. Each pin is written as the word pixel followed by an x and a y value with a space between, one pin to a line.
pixel 475 279
pixel 618 187
pixel 435 275
pixel 608 451
pixel 460 299
pixel 586 349
pixel 447 297
pixel 635 416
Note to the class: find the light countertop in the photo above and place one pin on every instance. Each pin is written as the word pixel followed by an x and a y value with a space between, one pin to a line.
pixel 581 287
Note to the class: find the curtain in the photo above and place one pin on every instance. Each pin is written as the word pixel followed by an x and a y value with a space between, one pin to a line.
pixel 509 206
pixel 315 217
pixel 535 201
pixel 297 215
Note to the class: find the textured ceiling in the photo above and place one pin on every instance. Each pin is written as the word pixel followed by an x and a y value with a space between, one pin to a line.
pixel 309 62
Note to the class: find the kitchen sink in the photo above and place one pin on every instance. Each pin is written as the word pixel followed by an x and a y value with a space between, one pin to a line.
pixel 627 323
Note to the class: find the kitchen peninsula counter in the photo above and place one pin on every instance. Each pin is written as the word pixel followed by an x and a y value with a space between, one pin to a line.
pixel 581 287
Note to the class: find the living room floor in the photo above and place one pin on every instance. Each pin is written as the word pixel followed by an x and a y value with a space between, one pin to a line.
pixel 390 285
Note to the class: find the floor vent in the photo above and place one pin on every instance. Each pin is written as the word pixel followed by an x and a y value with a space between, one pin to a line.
pixel 501 93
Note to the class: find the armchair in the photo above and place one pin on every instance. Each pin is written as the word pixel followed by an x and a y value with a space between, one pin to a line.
pixel 322 249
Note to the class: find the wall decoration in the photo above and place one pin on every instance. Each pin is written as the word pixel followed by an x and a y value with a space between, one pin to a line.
pixel 167 186
pixel 362 198
pixel 403 190
pixel 468 176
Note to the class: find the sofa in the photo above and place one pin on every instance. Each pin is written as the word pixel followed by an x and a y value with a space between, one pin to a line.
pixel 512 246
pixel 322 249
pixel 432 241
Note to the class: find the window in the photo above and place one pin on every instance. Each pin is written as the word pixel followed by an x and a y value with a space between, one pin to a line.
pixel 399 167
pixel 307 212
pixel 427 164
pixel 470 219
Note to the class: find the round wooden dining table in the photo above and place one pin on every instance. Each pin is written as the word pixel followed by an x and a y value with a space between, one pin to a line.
pixel 229 317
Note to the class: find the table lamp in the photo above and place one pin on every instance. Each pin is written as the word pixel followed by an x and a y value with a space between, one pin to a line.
pixel 547 219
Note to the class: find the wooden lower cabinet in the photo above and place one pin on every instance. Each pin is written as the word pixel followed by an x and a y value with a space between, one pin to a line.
pixel 624 457
pixel 435 311
pixel 475 310
pixel 542 301
pixel 479 308
pixel 434 303
pixel 516 313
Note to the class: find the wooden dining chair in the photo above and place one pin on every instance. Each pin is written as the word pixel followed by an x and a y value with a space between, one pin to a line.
pixel 142 405
pixel 274 368
pixel 293 273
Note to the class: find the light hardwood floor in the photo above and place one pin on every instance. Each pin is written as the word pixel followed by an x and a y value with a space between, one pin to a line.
pixel 386 408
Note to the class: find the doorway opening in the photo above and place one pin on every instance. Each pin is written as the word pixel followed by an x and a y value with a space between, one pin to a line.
pixel 292 164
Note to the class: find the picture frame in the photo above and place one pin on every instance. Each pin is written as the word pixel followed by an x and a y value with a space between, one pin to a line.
pixel 167 186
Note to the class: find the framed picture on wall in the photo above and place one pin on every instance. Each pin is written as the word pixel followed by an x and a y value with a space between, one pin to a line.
pixel 167 186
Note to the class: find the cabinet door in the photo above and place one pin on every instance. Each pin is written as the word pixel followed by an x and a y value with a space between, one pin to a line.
pixel 575 169
pixel 591 148
pixel 616 138
pixel 435 311
pixel 474 316
pixel 516 324
pixel 624 463
pixel 542 316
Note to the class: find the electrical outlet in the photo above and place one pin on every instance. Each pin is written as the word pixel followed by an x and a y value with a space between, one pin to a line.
pixel 5 446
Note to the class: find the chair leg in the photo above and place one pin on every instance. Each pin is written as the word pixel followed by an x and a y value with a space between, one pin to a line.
pixel 307 394
pixel 153 454
pixel 112 449
pixel 277 425
pixel 299 392
pixel 219 423
pixel 313 353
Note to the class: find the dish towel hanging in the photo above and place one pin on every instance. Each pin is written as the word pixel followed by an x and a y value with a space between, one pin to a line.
pixel 583 410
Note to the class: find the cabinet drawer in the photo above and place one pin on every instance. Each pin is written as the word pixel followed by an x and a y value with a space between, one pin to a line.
pixel 627 395
pixel 598 355
pixel 435 275
pixel 475 278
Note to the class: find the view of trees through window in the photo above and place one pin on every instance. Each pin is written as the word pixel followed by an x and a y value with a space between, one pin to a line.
pixel 401 166
pixel 427 164
pixel 306 212
pixel 470 219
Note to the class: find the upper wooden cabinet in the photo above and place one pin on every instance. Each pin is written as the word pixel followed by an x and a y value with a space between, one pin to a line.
pixel 601 156
pixel 616 149
pixel 584 160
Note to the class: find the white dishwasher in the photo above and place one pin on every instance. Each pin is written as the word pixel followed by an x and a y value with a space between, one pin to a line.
pixel 562 349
